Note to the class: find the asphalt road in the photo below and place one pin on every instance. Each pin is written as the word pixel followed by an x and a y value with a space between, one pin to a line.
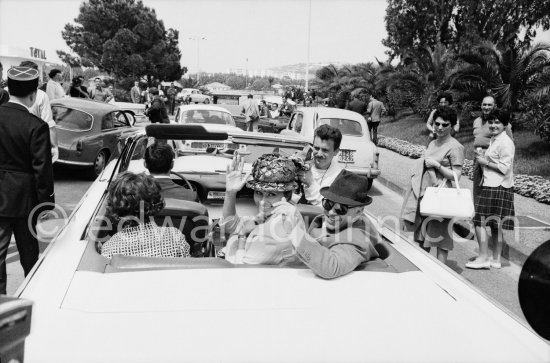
pixel 501 285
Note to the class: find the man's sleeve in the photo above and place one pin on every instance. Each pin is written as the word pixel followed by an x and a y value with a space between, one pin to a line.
pixel 369 107
pixel 329 263
pixel 42 164
pixel 46 111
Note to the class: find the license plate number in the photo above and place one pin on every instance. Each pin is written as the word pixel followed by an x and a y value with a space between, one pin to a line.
pixel 346 156
pixel 205 145
pixel 216 195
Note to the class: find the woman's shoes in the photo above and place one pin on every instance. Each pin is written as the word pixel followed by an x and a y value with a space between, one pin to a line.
pixel 478 265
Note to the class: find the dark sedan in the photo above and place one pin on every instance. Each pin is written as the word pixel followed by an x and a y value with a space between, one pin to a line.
pixel 90 133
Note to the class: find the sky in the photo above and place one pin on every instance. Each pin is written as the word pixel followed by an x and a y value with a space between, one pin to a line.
pixel 251 34
pixel 266 32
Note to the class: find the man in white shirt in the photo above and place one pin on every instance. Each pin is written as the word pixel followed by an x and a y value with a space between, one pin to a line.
pixel 54 90
pixel 43 109
pixel 326 145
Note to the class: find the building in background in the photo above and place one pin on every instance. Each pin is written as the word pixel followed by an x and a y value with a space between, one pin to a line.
pixel 11 56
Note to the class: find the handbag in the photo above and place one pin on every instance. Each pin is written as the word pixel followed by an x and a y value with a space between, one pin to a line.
pixel 447 202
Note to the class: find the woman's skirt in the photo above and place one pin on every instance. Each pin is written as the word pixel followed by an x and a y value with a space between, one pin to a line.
pixel 495 208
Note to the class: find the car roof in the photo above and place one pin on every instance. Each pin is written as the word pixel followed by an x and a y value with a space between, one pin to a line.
pixel 332 112
pixel 89 106
pixel 203 107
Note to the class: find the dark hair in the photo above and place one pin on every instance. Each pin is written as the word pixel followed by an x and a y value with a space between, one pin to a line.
pixel 76 80
pixel 96 78
pixel 446 113
pixel 327 132
pixel 447 96
pixel 133 195
pixel 154 91
pixel 29 64
pixel 250 96
pixel 503 116
pixel 53 73
pixel 159 157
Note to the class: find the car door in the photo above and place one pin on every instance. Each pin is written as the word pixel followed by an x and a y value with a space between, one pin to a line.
pixel 114 129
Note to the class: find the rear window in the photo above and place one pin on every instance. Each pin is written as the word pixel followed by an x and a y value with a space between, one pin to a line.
pixel 70 119
pixel 346 127
pixel 206 117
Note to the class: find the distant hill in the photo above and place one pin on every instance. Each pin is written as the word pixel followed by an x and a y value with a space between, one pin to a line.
pixel 301 67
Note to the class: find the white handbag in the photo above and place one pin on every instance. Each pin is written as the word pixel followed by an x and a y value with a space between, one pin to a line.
pixel 447 202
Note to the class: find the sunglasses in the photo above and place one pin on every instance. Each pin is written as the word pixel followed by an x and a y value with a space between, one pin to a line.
pixel 329 204
pixel 437 124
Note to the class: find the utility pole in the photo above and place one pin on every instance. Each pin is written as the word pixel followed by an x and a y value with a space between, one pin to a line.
pixel 308 43
pixel 198 39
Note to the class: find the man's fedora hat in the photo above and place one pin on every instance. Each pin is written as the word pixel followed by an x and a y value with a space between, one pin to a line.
pixel 348 188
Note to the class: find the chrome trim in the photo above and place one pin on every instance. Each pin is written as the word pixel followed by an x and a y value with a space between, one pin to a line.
pixel 76 163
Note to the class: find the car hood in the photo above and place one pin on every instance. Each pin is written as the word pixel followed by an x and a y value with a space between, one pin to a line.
pixel 216 127
pixel 265 314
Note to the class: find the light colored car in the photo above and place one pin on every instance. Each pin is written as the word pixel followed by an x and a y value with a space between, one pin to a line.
pixel 357 152
pixel 193 95
pixel 90 133
pixel 88 308
pixel 214 119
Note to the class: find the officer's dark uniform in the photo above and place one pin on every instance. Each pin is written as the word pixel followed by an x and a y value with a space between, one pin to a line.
pixel 26 175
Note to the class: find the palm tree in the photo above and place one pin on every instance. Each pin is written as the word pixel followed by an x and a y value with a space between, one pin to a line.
pixel 510 75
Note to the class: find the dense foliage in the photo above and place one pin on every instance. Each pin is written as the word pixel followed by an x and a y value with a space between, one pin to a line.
pixel 123 38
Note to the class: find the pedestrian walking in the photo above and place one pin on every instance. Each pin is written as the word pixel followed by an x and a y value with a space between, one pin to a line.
pixel 251 113
pixel 171 93
pixel 26 175
pixel 444 157
pixel 135 93
pixel 495 203
pixel 157 111
pixel 375 110
pixel 54 90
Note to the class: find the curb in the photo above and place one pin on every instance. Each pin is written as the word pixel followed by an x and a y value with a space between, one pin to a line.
pixel 464 229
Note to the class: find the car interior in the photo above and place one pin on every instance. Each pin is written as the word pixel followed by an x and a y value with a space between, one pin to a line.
pixel 202 233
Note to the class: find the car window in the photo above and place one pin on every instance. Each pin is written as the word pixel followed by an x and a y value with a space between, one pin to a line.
pixel 70 119
pixel 108 121
pixel 296 122
pixel 346 127
pixel 121 120
pixel 207 117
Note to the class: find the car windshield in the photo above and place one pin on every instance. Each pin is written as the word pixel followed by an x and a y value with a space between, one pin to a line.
pixel 346 127
pixel 206 117
pixel 70 119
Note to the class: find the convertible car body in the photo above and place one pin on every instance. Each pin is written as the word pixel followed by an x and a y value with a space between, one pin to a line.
pixel 403 307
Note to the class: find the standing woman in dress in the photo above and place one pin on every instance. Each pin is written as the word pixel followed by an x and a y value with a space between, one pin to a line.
pixel 495 203
pixel 443 158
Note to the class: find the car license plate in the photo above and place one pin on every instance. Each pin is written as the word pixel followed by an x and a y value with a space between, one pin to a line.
pixel 216 195
pixel 205 145
pixel 346 156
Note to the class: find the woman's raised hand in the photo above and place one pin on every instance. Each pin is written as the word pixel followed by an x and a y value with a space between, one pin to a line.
pixel 235 177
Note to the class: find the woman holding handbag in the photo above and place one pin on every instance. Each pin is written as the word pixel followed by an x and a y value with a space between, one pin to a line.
pixel 443 159
pixel 495 205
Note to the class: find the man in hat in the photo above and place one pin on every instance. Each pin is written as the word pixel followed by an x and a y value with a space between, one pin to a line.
pixel 43 109
pixel 26 175
pixel 343 237
pixel 264 238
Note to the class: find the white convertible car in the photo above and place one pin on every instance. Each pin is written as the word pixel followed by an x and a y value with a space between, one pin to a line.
pixel 403 307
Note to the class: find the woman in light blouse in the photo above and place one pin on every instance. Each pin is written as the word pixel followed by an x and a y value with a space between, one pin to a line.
pixel 495 203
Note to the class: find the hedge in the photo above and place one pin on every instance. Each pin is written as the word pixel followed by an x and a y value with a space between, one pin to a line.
pixel 531 186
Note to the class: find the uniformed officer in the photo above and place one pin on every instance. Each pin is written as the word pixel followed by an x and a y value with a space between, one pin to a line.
pixel 26 175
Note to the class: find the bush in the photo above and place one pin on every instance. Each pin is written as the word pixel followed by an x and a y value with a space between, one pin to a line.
pixel 537 117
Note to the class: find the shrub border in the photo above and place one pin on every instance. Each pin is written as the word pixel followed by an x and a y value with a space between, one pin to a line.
pixel 531 186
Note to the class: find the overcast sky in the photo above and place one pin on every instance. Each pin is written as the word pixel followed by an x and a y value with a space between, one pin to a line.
pixel 266 32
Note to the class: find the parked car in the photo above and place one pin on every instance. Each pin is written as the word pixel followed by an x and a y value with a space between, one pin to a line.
pixel 88 308
pixel 214 119
pixel 193 95
pixel 357 152
pixel 90 133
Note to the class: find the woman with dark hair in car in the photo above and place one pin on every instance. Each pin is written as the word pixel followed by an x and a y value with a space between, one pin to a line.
pixel 133 201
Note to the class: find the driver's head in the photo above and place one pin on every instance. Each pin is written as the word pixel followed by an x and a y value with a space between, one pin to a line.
pixel 159 158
